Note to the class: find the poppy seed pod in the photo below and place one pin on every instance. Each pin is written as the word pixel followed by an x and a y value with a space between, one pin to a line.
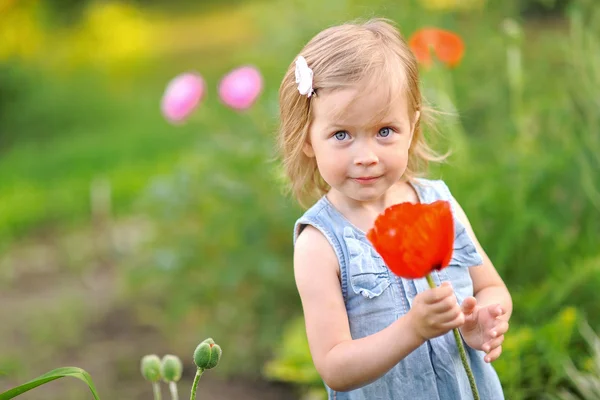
pixel 171 368
pixel 207 354
pixel 150 367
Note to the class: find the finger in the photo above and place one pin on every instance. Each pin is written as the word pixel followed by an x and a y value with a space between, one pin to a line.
pixel 471 313
pixel 469 304
pixel 496 310
pixel 492 344
pixel 456 322
pixel 439 293
pixel 451 315
pixel 493 355
pixel 499 329
pixel 471 319
pixel 444 305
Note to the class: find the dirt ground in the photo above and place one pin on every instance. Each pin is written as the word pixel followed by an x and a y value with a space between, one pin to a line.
pixel 53 314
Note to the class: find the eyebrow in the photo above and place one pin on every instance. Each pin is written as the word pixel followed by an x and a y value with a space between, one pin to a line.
pixel 335 126
pixel 378 123
pixel 390 122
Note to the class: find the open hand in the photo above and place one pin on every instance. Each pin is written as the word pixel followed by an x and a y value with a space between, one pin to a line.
pixel 483 328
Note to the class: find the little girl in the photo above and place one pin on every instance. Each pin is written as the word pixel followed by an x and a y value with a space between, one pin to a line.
pixel 351 139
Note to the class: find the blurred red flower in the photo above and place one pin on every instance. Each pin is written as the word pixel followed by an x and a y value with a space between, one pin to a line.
pixel 447 46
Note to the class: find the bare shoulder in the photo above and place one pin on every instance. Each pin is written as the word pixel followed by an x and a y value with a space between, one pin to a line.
pixel 407 192
pixel 312 245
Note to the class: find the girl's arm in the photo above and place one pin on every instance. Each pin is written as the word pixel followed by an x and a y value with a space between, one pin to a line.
pixel 343 363
pixel 487 314
pixel 488 286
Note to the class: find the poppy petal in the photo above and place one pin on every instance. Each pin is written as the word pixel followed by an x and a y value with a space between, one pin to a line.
pixel 414 239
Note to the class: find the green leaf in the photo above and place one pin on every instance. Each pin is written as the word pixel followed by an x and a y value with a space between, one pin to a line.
pixel 50 376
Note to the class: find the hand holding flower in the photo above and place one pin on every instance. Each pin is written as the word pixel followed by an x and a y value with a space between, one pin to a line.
pixel 436 312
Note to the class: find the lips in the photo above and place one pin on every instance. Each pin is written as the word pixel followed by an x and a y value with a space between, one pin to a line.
pixel 367 179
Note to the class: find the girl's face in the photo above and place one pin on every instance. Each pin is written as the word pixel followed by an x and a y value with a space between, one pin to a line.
pixel 358 155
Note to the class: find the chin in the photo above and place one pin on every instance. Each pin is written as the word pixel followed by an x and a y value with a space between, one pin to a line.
pixel 365 196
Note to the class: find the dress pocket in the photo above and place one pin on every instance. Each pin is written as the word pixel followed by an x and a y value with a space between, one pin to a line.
pixel 368 274
pixel 369 284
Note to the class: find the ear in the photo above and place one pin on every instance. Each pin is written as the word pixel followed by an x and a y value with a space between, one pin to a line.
pixel 308 149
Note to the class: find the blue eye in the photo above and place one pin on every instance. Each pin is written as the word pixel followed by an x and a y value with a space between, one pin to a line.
pixel 385 132
pixel 341 135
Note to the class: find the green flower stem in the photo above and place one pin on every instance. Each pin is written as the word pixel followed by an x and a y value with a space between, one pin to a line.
pixel 173 389
pixel 156 388
pixel 195 384
pixel 461 350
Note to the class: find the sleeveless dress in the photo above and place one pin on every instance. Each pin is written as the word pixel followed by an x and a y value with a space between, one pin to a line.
pixel 375 298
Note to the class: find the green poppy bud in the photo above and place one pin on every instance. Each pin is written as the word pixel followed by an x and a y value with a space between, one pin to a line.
pixel 207 354
pixel 150 367
pixel 171 368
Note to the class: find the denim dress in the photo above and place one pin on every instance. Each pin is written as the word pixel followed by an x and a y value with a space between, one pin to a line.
pixel 375 298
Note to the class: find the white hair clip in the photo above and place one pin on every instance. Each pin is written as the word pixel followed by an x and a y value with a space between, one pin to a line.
pixel 304 77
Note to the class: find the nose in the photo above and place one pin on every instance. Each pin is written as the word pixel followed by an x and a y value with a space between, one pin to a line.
pixel 366 157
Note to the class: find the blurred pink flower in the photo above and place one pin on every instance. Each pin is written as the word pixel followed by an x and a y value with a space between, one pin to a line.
pixel 182 96
pixel 240 88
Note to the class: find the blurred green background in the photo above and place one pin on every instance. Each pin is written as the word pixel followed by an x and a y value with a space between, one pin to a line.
pixel 122 235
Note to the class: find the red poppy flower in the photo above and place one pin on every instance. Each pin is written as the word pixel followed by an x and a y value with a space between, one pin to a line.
pixel 414 239
pixel 447 46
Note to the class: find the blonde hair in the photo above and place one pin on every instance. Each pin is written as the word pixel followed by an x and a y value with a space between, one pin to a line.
pixel 371 52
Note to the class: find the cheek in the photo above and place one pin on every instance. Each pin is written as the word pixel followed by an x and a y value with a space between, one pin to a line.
pixel 331 163
pixel 397 158
pixel 403 159
pixel 398 152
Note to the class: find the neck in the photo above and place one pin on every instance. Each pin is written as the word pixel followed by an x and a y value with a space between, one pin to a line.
pixel 363 213
pixel 398 193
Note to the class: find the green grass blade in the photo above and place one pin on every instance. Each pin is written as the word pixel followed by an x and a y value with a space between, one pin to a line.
pixel 50 376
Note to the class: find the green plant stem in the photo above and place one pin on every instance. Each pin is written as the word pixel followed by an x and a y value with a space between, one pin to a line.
pixel 461 351
pixel 156 389
pixel 173 389
pixel 195 384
